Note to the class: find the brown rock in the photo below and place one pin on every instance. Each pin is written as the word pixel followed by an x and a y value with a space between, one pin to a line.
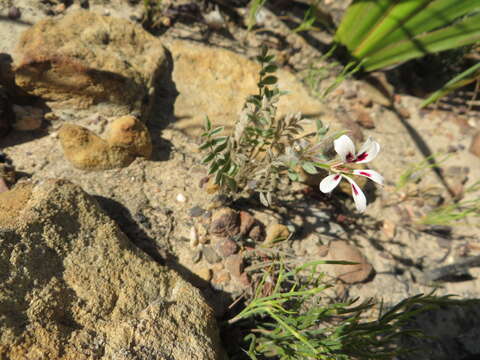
pixel 276 232
pixel 7 173
pixel 246 222
pixel 244 280
pixel 256 233
pixel 87 151
pixel 127 139
pixel 234 264
pixel 226 247
pixel 364 118
pixel 130 133
pixel 84 58
pixel 211 255
pixel 85 290
pixel 225 222
pixel 475 145
pixel 351 274
pixel 27 118
pixel 220 279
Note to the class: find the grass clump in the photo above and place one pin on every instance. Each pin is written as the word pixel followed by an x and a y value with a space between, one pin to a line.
pixel 295 321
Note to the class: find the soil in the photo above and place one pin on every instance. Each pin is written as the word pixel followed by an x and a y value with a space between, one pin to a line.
pixel 389 234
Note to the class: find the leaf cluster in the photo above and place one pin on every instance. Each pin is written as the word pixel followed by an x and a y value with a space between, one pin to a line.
pixel 263 147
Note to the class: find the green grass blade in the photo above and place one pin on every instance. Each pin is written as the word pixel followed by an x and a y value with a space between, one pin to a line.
pixel 437 14
pixel 462 33
pixel 390 21
pixel 360 18
pixel 465 78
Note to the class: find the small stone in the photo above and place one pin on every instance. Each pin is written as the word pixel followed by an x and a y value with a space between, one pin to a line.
pixel 276 232
pixel 244 280
pixel 3 185
pixel 389 228
pixel 181 198
pixel 211 255
pixel 7 173
pixel 403 112
pixel 256 233
pixel 27 118
pixel 196 211
pixel 204 274
pixel 322 250
pixel 196 256
pixel 14 13
pixel 234 264
pixel 193 237
pixel 246 222
pixel 475 145
pixel 225 222
pixel 84 4
pixel 364 118
pixel 220 279
pixel 351 274
pixel 226 247
pixel 130 133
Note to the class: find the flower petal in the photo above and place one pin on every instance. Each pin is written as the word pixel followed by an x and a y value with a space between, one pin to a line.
pixel 371 174
pixel 345 148
pixel 330 182
pixel 358 195
pixel 368 151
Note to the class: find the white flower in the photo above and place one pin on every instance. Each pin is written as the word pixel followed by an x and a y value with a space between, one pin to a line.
pixel 346 150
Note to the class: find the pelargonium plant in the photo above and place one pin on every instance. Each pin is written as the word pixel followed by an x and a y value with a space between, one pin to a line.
pixel 343 169
pixel 265 150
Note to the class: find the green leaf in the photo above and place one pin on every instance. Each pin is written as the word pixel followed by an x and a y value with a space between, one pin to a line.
pixel 208 124
pixel 269 80
pixel 206 144
pixel 208 158
pixel 216 131
pixel 468 76
pixel 271 68
pixel 309 168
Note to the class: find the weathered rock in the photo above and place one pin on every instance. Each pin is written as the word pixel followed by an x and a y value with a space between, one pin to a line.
pixel 276 232
pixel 246 222
pixel 475 145
pixel 226 247
pixel 225 222
pixel 7 173
pixel 256 233
pixel 130 133
pixel 27 118
pixel 127 138
pixel 74 287
pixel 84 58
pixel 351 274
pixel 215 82
pixel 211 255
pixel 234 264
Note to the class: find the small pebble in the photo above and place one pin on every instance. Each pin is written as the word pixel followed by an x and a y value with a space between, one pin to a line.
pixel 14 13
pixel 234 264
pixel 193 237
pixel 196 257
pixel 181 198
pixel 211 255
pixel 196 211
pixel 226 247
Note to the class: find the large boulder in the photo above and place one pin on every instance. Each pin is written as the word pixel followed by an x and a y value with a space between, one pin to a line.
pixel 72 286
pixel 83 59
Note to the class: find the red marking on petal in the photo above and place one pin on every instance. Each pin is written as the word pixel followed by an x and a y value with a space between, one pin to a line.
pixel 364 173
pixel 350 157
pixel 361 157
pixel 354 189
pixel 336 177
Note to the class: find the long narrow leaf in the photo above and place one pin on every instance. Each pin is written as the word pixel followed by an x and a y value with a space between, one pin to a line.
pixel 465 78
pixel 437 14
pixel 389 22
pixel 462 33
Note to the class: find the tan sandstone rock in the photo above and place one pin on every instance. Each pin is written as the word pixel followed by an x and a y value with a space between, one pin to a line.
pixel 74 287
pixel 127 138
pixel 84 58
pixel 351 274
